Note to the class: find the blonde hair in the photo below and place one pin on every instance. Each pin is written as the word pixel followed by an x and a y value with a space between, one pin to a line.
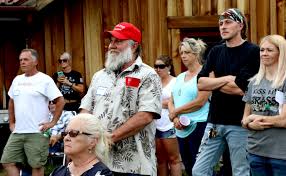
pixel 197 47
pixel 280 76
pixel 91 124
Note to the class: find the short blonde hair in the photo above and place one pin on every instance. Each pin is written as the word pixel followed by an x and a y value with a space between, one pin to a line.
pixel 280 43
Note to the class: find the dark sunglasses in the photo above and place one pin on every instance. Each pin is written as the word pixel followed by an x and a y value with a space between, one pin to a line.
pixel 62 60
pixel 73 133
pixel 161 66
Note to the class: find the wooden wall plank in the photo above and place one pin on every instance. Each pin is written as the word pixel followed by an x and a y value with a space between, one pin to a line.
pixel 174 36
pixel 273 15
pixel 145 29
pixel 281 17
pixel 214 7
pixel 125 12
pixel 163 29
pixel 220 6
pixel 93 37
pixel 243 5
pixel 67 29
pixel 77 35
pixel 188 7
pixel 205 7
pixel 153 32
pixel 264 22
pixel 135 12
pixel 180 7
pixel 48 46
pixel 253 19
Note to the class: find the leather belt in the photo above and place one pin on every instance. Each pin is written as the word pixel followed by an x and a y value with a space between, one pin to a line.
pixel 70 101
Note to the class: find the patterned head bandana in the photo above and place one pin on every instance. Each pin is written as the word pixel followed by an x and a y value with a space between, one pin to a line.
pixel 233 14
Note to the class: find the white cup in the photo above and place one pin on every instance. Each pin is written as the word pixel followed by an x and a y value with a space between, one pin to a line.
pixel 184 120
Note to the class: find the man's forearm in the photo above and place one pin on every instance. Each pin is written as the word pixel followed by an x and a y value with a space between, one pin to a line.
pixel 209 84
pixel 78 87
pixel 132 126
pixel 11 111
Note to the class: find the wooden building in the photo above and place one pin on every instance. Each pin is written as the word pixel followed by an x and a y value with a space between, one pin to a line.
pixel 77 26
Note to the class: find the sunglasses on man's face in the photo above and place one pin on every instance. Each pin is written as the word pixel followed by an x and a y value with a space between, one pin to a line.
pixel 73 133
pixel 161 66
pixel 62 60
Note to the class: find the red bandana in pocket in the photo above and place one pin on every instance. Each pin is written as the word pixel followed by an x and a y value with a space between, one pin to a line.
pixel 132 82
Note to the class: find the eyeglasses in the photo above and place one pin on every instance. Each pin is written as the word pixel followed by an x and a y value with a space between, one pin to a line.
pixel 73 133
pixel 62 61
pixel 161 66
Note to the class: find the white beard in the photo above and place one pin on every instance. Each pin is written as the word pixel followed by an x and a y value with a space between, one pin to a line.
pixel 115 62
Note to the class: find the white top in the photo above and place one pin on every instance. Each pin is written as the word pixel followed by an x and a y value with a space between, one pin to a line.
pixel 31 97
pixel 164 123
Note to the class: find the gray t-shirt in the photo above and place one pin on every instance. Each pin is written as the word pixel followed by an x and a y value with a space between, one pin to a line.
pixel 269 142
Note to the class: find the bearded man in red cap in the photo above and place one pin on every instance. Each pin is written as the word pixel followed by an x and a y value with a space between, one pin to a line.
pixel 126 97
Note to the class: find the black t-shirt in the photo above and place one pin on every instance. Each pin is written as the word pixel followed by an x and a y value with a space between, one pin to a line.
pixel 241 61
pixel 68 92
pixel 97 169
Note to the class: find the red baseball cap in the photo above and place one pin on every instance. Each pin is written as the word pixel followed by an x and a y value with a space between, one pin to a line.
pixel 125 31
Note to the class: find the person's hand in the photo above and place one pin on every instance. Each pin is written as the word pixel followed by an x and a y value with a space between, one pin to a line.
pixel 45 126
pixel 61 79
pixel 258 124
pixel 12 126
pixel 177 124
pixel 54 139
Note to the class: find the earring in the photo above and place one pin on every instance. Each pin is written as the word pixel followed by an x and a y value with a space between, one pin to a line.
pixel 89 151
pixel 169 72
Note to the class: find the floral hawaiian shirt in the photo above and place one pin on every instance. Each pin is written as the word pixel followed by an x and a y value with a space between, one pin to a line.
pixel 116 98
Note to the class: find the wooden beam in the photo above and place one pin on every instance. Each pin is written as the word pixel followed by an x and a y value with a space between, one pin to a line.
pixel 253 24
pixel 175 22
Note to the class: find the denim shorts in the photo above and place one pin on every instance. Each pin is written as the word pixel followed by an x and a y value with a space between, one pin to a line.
pixel 171 133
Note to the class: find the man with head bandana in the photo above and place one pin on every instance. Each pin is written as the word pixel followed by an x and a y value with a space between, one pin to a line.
pixel 226 72
pixel 126 96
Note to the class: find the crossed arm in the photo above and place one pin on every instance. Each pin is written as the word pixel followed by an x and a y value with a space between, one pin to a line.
pixel 225 84
pixel 261 122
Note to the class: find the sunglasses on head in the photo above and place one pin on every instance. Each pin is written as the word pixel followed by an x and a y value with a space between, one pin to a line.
pixel 161 66
pixel 73 133
pixel 62 60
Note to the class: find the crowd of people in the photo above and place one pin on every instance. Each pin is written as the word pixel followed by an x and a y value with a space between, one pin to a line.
pixel 140 120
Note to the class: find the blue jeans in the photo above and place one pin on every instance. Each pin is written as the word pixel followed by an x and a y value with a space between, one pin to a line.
pixel 265 166
pixel 211 150
pixel 189 146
